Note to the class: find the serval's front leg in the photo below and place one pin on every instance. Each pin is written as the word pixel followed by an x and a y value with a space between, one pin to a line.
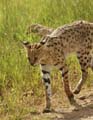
pixel 46 79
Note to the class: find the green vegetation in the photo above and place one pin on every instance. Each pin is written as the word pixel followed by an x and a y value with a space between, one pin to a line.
pixel 21 87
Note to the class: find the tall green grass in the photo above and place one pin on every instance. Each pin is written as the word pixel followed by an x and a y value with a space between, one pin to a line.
pixel 17 77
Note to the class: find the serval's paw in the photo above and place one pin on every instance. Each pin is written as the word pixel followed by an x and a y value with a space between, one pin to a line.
pixel 48 110
pixel 76 91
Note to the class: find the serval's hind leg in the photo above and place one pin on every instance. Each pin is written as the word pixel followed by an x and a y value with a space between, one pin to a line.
pixel 84 60
pixel 67 88
pixel 64 70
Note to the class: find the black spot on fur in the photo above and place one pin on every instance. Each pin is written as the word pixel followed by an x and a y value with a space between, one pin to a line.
pixel 45 72
pixel 46 80
pixel 42 42
pixel 61 68
pixel 64 73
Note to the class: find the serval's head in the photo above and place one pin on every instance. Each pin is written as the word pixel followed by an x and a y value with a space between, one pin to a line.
pixel 34 52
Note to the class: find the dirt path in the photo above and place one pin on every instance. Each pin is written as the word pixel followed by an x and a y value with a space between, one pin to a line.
pixel 84 113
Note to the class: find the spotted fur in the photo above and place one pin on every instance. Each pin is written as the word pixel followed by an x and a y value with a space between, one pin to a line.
pixel 53 50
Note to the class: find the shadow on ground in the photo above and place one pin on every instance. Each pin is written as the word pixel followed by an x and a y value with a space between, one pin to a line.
pixel 84 113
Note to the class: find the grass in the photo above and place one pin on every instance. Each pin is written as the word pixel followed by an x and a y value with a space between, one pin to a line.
pixel 19 80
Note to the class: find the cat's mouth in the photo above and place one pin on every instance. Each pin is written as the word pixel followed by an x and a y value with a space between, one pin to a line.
pixel 33 63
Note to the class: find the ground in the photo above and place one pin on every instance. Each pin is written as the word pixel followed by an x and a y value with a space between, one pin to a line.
pixel 85 99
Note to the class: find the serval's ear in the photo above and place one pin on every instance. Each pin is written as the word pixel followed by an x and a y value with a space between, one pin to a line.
pixel 39 29
pixel 26 44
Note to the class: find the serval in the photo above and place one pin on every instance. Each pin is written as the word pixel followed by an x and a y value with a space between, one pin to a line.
pixel 53 49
